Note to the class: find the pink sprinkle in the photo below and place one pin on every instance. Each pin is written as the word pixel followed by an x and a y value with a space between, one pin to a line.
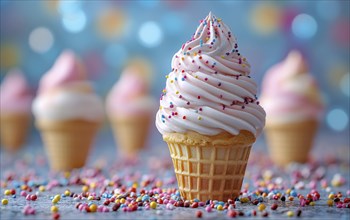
pixel 208 208
pixel 28 197
pixel 23 193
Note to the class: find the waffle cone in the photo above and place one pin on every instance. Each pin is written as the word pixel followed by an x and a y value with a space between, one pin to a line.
pixel 14 129
pixel 131 133
pixel 209 167
pixel 290 142
pixel 67 143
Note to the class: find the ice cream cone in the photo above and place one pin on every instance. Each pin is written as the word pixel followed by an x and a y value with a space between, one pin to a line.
pixel 209 167
pixel 14 129
pixel 67 143
pixel 131 133
pixel 290 142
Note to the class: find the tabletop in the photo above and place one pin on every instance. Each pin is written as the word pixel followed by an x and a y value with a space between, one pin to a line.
pixel 110 187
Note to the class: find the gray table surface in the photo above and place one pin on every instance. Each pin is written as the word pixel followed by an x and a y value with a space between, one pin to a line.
pixel 330 153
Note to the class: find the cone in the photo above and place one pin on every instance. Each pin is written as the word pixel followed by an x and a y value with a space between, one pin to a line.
pixel 209 167
pixel 67 143
pixel 290 142
pixel 131 134
pixel 13 130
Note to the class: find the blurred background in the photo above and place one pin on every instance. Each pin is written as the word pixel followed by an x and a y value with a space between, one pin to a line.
pixel 108 34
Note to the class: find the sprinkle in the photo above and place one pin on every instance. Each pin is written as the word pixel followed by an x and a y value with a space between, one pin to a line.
pixel 290 213
pixel 219 207
pixel 219 84
pixel 167 76
pixel 199 118
pixel 177 92
pixel 7 192
pixel 199 97
pixel 153 205
pixel 4 201
pixel 262 207
pixel 199 214
pixel 54 209
pixel 184 117
pixel 274 206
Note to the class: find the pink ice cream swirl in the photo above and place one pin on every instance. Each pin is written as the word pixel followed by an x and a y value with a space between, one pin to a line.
pixel 130 97
pixel 209 90
pixel 290 93
pixel 15 94
pixel 66 94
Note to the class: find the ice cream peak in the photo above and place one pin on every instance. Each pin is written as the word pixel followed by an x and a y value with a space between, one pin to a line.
pixel 290 93
pixel 209 90
pixel 67 69
pixel 129 96
pixel 15 93
pixel 66 94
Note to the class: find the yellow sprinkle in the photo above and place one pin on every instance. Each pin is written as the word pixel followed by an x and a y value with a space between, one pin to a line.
pixel 66 174
pixel 290 198
pixel 312 203
pixel 330 202
pixel 194 54
pixel 110 183
pixel 90 198
pixel 171 81
pixel 206 39
pixel 54 209
pixel 219 19
pixel 7 192
pixel 160 107
pixel 288 191
pixel 117 201
pixel 244 200
pixel 262 207
pixel 58 197
pixel 164 90
pixel 177 92
pixel 199 118
pixel 4 202
pixel 167 76
pixel 55 201
pixel 93 207
pixel 159 184
pixel 243 65
pixel 85 188
pixel 222 56
pixel 196 77
pixel 219 207
pixel 331 196
pixel 139 199
pixel 42 188
pixel 182 58
pixel 244 59
pixel 153 205
pixel 135 185
pixel 67 193
pixel 93 185
pixel 290 213
pixel 122 200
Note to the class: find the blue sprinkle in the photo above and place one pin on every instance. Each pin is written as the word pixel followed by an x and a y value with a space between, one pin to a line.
pixel 183 79
pixel 145 198
pixel 163 116
pixel 14 196
pixel 293 193
pixel 196 200
pixel 221 203
pixel 175 78
pixel 123 205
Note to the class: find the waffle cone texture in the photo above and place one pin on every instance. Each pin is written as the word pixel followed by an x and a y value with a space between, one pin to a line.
pixel 14 129
pixel 131 133
pixel 291 142
pixel 67 143
pixel 209 167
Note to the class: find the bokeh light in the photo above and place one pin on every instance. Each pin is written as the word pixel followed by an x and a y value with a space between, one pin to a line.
pixel 304 26
pixel 337 119
pixel 68 7
pixel 41 40
pixel 111 23
pixel 344 84
pixel 150 34
pixel 328 10
pixel 74 22
pixel 9 56
pixel 266 18
pixel 115 55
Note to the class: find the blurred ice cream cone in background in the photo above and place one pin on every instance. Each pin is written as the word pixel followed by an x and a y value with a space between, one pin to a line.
pixel 130 108
pixel 15 115
pixel 294 108
pixel 68 113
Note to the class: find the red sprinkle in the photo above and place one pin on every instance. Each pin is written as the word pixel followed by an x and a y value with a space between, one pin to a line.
pixel 184 117
pixel 199 214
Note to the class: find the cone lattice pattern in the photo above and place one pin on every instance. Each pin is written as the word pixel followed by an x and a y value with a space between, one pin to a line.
pixel 211 171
